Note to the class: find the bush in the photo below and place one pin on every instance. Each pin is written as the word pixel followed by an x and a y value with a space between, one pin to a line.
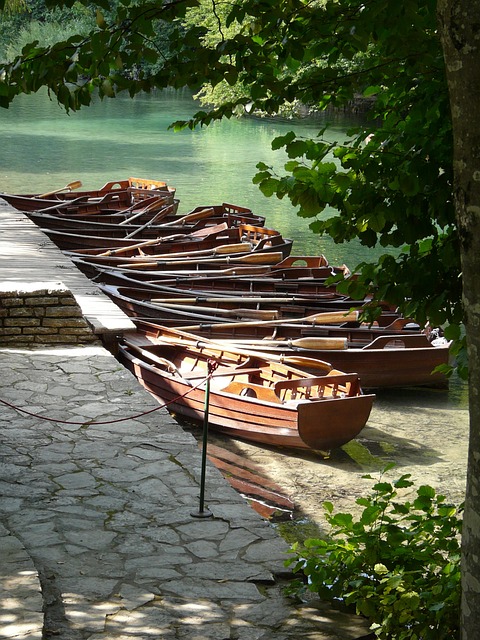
pixel 398 564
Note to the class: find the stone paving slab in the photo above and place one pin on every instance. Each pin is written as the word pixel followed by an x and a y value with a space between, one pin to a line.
pixel 96 512
pixel 21 602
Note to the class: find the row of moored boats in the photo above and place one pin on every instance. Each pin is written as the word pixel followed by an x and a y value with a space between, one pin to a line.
pixel 215 292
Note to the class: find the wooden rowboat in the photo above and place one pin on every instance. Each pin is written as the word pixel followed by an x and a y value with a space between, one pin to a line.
pixel 398 355
pixel 251 397
pixel 382 359
pixel 289 269
pixel 145 304
pixel 116 194
pixel 326 298
pixel 107 246
pixel 89 217
pixel 322 297
pixel 115 250
pixel 112 209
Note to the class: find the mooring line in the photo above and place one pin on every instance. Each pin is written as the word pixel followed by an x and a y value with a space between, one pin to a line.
pixel 92 422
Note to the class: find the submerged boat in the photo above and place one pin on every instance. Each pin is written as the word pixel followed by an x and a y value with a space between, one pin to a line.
pixel 250 397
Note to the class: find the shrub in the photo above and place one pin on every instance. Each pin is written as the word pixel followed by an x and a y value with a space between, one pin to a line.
pixel 398 564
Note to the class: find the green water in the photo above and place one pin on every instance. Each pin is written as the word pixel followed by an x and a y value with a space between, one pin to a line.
pixel 44 148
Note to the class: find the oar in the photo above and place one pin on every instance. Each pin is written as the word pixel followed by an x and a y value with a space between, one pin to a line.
pixel 190 217
pixel 329 317
pixel 144 243
pixel 225 297
pixel 313 343
pixel 178 258
pixel 159 240
pixel 249 258
pixel 232 313
pixel 213 346
pixel 222 249
pixel 154 220
pixel 76 184
pixel 130 247
pixel 137 209
pixel 168 364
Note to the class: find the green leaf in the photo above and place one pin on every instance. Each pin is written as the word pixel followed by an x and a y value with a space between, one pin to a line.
pixel 282 141
pixel 371 91
pixel 408 184
pixel 380 568
pixel 291 166
pixel 383 487
pixel 452 332
pixel 370 514
pixel 269 186
pixel 427 491
pixel 328 506
pixel 100 19
pixel 342 519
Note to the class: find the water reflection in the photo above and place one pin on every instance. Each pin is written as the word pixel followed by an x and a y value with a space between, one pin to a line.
pixel 43 147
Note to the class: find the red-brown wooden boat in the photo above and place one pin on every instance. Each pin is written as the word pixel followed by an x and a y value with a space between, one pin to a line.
pixel 392 357
pixel 116 194
pixel 250 397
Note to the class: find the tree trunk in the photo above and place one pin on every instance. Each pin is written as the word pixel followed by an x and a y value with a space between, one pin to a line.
pixel 459 24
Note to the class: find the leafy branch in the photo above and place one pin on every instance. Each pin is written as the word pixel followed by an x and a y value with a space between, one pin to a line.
pixel 397 564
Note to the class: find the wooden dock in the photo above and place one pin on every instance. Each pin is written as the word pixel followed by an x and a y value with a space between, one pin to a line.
pixel 28 258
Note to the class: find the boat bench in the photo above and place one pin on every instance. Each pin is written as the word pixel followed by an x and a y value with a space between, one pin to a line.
pixel 252 390
pixel 335 386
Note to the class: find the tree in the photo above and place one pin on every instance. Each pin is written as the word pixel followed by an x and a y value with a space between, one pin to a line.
pixel 394 183
pixel 460 31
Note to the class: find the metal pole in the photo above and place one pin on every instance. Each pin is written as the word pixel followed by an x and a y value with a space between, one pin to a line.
pixel 202 512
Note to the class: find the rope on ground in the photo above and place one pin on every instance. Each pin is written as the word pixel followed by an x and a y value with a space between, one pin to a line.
pixel 92 422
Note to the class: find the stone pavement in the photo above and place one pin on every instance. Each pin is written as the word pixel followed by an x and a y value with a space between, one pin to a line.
pixel 96 523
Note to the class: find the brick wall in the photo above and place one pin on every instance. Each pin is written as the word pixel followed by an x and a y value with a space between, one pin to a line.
pixel 42 313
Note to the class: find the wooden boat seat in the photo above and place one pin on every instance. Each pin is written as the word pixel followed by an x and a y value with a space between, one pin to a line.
pixel 419 340
pixel 335 386
pixel 223 371
pixel 150 185
pixel 234 208
pixel 252 390
pixel 304 261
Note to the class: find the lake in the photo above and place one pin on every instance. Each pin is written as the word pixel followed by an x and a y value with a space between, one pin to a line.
pixel 423 431
pixel 44 148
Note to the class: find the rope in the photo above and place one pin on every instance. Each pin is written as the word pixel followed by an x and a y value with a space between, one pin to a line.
pixel 90 422
pixel 212 365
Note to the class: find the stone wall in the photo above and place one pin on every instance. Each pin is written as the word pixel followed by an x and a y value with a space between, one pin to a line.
pixel 41 313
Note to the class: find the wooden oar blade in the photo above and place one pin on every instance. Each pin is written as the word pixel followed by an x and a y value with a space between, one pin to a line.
pixel 308 343
pixel 329 317
pixel 76 184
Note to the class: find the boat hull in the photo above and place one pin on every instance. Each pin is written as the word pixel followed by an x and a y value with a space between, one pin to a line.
pixel 321 424
pixel 381 361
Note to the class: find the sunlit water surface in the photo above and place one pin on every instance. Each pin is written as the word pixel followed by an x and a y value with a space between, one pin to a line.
pixel 43 148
